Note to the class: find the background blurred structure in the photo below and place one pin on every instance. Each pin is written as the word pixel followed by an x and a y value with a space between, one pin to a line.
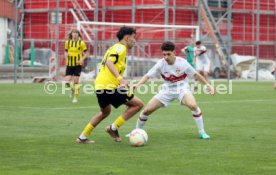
pixel 244 27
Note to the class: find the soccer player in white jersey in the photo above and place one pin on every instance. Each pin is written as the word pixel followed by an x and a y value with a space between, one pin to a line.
pixel 175 72
pixel 202 61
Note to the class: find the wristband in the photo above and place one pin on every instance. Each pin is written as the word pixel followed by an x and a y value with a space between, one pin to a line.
pixel 119 77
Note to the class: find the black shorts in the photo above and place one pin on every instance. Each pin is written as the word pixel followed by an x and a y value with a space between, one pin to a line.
pixel 73 71
pixel 115 97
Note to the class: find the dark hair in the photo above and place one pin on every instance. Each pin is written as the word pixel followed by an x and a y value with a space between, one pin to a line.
pixel 125 31
pixel 198 43
pixel 168 46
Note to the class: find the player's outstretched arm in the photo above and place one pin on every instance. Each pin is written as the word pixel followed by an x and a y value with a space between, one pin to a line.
pixel 204 81
pixel 142 81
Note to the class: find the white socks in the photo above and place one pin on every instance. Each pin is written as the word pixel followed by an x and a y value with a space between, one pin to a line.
pixel 113 127
pixel 82 137
pixel 141 121
pixel 197 115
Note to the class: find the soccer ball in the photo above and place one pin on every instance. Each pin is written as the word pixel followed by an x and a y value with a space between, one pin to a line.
pixel 138 137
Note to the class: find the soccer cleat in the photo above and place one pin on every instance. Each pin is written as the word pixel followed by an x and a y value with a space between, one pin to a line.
pixel 84 141
pixel 75 100
pixel 127 135
pixel 114 134
pixel 204 135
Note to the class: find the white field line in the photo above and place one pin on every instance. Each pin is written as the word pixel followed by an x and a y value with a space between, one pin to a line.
pixel 237 101
pixel 49 108
pixel 96 106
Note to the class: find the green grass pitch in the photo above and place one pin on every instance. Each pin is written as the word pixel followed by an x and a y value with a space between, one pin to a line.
pixel 37 134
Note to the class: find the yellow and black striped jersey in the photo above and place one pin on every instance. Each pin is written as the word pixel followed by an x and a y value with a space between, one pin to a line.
pixel 75 51
pixel 105 79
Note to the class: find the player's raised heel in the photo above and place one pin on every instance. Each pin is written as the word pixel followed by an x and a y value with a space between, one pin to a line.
pixel 114 134
pixel 204 136
pixel 84 141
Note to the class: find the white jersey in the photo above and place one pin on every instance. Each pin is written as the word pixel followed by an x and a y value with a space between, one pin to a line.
pixel 201 54
pixel 173 75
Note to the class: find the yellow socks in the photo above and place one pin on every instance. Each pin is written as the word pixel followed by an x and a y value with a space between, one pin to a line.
pixel 120 121
pixel 87 130
pixel 72 86
pixel 76 90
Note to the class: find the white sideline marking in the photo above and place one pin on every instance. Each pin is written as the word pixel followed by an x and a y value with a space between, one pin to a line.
pixel 237 101
pixel 49 108
pixel 96 106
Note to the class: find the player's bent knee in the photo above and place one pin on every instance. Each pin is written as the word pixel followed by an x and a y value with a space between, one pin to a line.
pixel 147 111
pixel 140 105
pixel 105 113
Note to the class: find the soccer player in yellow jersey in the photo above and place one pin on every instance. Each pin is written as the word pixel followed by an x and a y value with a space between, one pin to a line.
pixel 112 89
pixel 75 54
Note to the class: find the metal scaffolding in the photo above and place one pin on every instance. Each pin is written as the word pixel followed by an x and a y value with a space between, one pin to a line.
pixel 231 32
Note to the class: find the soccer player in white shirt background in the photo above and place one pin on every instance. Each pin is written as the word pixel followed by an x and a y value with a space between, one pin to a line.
pixel 175 72
pixel 201 60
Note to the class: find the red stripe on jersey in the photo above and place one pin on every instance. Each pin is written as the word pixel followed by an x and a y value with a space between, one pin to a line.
pixel 201 53
pixel 197 115
pixel 173 78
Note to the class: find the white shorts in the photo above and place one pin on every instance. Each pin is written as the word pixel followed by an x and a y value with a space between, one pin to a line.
pixel 202 65
pixel 166 96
